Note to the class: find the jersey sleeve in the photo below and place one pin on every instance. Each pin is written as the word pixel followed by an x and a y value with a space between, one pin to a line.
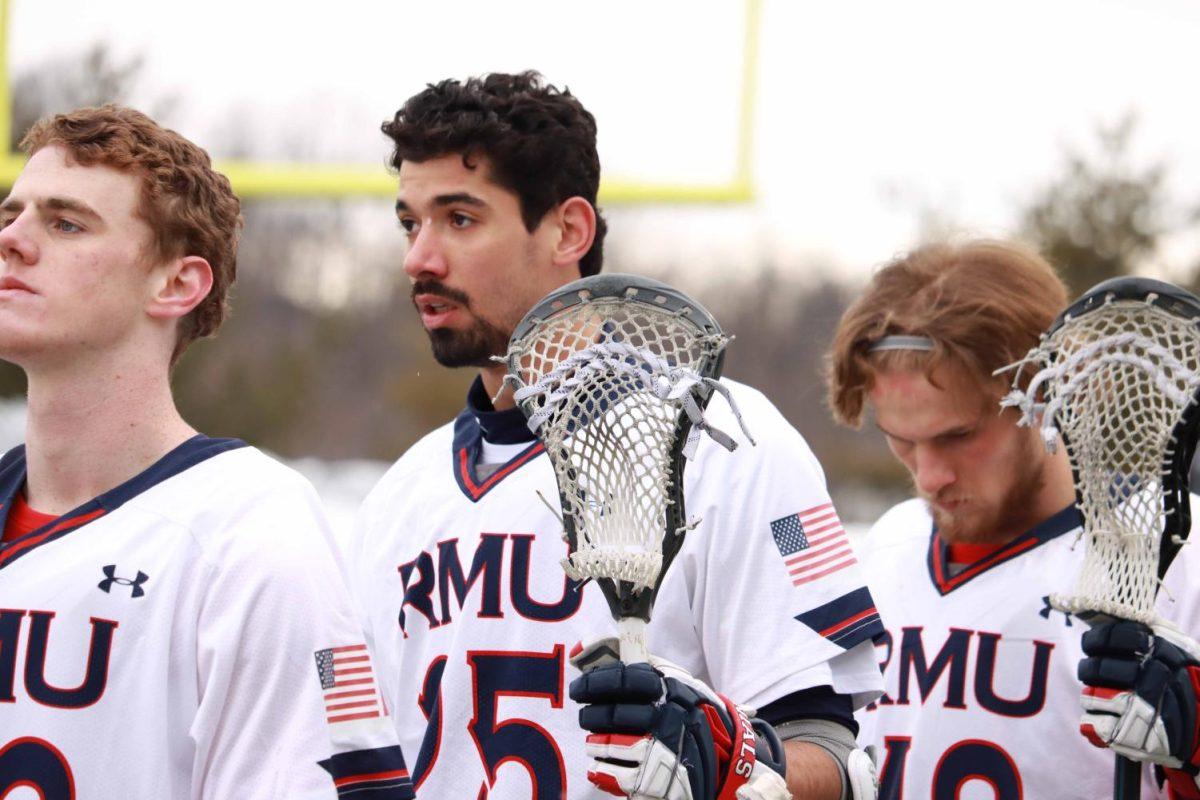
pixel 770 582
pixel 289 701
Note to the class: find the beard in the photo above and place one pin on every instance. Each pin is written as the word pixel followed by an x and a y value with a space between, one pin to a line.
pixel 975 523
pixel 472 347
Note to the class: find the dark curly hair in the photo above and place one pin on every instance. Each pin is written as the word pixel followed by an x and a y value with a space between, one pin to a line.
pixel 540 141
pixel 190 208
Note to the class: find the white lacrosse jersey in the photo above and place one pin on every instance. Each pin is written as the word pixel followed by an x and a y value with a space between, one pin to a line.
pixel 473 619
pixel 187 635
pixel 981 698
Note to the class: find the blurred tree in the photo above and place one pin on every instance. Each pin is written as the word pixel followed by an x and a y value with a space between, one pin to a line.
pixel 68 81
pixel 1103 216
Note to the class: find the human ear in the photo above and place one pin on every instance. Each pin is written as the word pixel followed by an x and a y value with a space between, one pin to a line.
pixel 179 287
pixel 577 230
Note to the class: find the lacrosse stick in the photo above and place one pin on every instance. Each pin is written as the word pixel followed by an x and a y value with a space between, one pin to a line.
pixel 613 374
pixel 1118 374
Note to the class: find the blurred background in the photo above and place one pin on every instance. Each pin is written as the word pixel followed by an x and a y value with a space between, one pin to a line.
pixel 762 155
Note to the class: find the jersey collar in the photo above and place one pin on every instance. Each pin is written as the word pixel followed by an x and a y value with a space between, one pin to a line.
pixel 938 558
pixel 12 478
pixel 478 421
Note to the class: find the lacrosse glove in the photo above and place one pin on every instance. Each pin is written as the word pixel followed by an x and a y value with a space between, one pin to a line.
pixel 657 733
pixel 1140 698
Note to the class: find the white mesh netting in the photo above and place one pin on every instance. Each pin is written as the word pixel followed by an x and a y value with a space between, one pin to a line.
pixel 605 385
pixel 1116 382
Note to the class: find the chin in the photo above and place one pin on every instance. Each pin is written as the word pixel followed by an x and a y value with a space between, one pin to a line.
pixel 962 527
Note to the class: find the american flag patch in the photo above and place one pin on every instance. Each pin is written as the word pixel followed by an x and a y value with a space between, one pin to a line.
pixel 812 543
pixel 348 683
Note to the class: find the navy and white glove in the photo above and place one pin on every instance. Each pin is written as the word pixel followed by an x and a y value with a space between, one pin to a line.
pixel 657 733
pixel 1140 693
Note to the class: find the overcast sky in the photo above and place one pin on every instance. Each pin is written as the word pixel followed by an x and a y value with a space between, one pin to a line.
pixel 866 111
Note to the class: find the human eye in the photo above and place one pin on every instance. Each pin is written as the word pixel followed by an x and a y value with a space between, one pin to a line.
pixel 899 446
pixel 956 436
pixel 66 226
pixel 409 225
pixel 460 220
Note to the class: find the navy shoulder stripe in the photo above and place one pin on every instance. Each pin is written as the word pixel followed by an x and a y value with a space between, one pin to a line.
pixel 846 620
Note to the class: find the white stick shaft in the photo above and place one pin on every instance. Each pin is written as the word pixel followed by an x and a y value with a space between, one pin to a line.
pixel 632 631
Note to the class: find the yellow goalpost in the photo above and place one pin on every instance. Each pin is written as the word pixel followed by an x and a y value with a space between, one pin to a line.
pixel 277 179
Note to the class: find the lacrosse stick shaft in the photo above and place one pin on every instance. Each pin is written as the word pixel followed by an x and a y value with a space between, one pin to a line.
pixel 632 632
pixel 1127 780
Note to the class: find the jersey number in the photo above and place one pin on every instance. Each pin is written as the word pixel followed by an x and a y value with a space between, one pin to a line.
pixel 497 674
pixel 963 762
pixel 36 764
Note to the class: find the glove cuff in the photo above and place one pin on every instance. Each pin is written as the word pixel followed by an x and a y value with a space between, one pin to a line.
pixel 742 754
pixel 1181 784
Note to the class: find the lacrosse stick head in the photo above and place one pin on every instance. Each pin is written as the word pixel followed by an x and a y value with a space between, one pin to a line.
pixel 1118 374
pixel 611 372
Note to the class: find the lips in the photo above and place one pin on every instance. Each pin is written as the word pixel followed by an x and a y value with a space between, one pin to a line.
pixel 436 311
pixel 10 284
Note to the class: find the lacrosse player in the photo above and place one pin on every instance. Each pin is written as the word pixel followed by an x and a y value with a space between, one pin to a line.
pixel 980 670
pixel 173 622
pixel 458 560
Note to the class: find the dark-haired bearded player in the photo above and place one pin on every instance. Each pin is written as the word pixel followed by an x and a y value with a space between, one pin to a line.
pixel 457 561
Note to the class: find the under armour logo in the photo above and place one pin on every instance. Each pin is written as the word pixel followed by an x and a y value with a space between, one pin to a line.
pixel 111 572
pixel 1045 612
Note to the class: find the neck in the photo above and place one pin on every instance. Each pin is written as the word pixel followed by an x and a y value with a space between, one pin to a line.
pixel 1058 486
pixel 493 379
pixel 95 425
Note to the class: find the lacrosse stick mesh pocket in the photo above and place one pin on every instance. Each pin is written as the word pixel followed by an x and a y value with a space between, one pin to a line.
pixel 1116 383
pixel 611 386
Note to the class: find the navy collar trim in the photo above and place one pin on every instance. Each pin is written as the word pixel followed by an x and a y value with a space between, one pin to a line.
pixel 12 478
pixel 938 558
pixel 498 427
pixel 479 420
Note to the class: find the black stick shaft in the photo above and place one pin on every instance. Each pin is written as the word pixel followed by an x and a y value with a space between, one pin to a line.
pixel 1127 779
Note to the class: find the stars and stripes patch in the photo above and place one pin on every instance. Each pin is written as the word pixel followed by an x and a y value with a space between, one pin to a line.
pixel 812 543
pixel 348 683
pixel 846 620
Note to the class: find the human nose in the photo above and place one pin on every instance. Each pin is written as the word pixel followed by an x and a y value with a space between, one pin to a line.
pixel 16 242
pixel 932 472
pixel 425 257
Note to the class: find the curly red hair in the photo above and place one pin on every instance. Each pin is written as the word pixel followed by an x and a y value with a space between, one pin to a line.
pixel 191 209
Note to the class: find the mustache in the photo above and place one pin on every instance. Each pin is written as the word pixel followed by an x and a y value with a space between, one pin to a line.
pixel 433 287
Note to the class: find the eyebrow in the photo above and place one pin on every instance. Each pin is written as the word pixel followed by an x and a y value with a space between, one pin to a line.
pixel 883 430
pixel 53 204
pixel 442 200
pixel 954 429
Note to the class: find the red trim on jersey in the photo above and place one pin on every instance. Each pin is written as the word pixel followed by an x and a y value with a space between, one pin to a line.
pixel 1001 554
pixel 373 776
pixel 23 519
pixel 24 544
pixel 846 623
pixel 970 552
pixel 479 490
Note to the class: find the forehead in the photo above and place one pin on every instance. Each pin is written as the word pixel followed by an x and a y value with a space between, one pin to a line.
pixel 906 401
pixel 423 181
pixel 51 174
